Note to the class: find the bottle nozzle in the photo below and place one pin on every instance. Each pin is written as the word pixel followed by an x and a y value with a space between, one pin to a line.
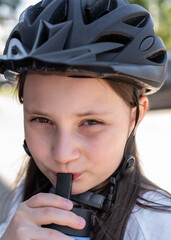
pixel 64 185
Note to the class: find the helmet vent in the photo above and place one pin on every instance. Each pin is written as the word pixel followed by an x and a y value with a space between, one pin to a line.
pixel 158 57
pixel 139 21
pixel 108 56
pixel 17 36
pixel 35 12
pixel 117 38
pixel 60 14
pixel 96 9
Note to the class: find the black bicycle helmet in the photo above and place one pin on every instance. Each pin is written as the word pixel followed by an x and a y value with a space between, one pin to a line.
pixel 109 39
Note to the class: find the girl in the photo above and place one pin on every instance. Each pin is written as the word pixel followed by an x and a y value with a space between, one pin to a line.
pixel 83 70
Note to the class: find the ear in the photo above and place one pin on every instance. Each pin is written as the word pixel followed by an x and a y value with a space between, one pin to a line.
pixel 143 107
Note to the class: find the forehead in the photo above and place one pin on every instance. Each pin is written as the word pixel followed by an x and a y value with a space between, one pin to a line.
pixel 77 92
pixel 51 82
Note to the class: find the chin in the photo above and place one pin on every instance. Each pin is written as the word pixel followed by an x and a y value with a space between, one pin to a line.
pixel 77 189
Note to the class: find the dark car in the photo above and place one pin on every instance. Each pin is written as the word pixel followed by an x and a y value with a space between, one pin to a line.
pixel 162 99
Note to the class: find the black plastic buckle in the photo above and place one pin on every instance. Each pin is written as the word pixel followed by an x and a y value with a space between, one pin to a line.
pixel 110 199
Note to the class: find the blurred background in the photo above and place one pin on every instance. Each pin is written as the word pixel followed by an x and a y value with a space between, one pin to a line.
pixel 154 133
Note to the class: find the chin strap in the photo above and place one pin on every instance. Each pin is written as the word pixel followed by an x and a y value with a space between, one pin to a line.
pixel 127 165
pixel 26 148
pixel 99 201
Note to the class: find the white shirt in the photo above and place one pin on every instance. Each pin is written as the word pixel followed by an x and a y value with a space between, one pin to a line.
pixel 149 224
pixel 143 224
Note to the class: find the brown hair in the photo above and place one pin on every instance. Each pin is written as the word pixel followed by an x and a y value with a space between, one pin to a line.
pixel 110 224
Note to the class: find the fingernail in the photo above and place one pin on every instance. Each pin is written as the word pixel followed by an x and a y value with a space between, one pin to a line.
pixel 82 222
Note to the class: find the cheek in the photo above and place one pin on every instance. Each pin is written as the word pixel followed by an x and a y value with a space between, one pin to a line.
pixel 104 153
pixel 37 143
pixel 38 147
pixel 106 150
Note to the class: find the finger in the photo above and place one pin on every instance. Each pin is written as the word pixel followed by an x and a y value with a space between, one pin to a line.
pixel 48 215
pixel 30 231
pixel 51 234
pixel 48 199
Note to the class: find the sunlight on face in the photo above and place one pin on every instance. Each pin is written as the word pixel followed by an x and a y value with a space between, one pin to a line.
pixel 75 125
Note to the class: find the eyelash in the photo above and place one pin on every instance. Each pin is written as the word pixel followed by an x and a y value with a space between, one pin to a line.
pixel 42 120
pixel 90 122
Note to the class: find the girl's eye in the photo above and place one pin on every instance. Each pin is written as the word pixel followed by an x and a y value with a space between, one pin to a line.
pixel 91 123
pixel 42 120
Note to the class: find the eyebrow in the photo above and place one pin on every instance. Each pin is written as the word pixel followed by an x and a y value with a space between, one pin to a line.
pixel 35 112
pixel 90 113
pixel 83 114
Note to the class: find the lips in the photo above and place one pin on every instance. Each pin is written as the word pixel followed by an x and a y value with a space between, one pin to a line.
pixel 76 176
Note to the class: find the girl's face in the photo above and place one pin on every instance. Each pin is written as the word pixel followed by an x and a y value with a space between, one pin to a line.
pixel 75 125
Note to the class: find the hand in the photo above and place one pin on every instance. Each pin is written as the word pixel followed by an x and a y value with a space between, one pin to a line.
pixel 42 209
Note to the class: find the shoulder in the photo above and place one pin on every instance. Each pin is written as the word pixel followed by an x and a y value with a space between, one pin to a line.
pixel 18 198
pixel 148 223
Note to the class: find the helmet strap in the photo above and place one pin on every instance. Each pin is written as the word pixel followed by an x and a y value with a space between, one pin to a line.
pixel 127 165
pixel 26 148
pixel 99 201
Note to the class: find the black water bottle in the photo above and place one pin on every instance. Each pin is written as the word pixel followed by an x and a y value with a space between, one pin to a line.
pixel 63 189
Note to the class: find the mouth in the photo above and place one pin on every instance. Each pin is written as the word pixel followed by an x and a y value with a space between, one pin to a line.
pixel 76 176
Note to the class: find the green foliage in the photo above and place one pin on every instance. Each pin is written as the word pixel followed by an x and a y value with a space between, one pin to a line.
pixel 143 3
pixel 162 20
pixel 165 25
pixel 10 4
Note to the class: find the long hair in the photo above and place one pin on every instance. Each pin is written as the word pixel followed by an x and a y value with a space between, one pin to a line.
pixel 112 223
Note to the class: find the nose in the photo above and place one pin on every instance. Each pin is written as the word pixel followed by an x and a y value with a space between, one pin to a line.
pixel 65 147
